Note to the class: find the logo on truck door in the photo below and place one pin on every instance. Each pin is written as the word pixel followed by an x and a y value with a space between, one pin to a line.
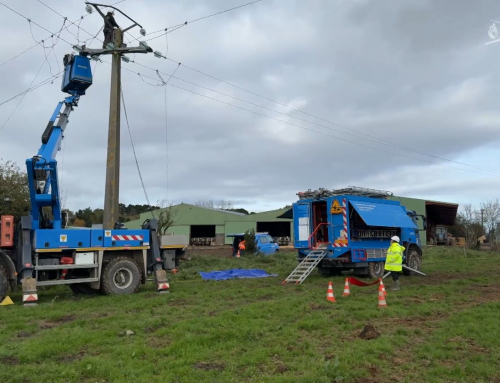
pixel 336 209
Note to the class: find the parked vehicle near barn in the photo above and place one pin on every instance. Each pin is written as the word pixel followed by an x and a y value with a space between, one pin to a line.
pixel 265 244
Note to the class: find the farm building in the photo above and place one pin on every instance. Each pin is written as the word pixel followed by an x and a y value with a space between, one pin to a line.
pixel 206 226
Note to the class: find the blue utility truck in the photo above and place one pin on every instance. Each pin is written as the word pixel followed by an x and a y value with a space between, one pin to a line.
pixel 350 229
pixel 39 250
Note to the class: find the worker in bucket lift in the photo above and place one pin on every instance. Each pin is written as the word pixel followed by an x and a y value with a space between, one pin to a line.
pixel 109 26
pixel 394 261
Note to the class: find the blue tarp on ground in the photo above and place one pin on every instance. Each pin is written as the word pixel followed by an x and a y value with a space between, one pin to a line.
pixel 235 273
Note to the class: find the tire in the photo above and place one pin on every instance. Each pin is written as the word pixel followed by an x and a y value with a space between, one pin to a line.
pixel 121 275
pixel 376 269
pixel 82 288
pixel 413 260
pixel 4 283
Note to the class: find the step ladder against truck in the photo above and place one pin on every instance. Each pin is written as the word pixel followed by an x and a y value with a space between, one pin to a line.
pixel 306 267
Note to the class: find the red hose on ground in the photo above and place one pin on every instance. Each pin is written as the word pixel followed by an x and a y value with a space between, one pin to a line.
pixel 357 282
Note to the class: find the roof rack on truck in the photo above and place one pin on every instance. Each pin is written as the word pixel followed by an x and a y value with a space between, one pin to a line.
pixel 351 190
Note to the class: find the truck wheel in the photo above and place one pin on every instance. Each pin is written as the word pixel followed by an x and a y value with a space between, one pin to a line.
pixel 414 261
pixel 4 283
pixel 121 275
pixel 376 269
pixel 82 288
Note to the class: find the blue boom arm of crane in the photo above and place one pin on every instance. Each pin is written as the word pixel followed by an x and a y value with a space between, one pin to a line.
pixel 42 168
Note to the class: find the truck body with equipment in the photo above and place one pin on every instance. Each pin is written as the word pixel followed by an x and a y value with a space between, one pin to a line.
pixel 39 250
pixel 350 229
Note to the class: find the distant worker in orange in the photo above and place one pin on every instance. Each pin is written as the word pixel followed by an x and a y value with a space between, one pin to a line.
pixel 241 247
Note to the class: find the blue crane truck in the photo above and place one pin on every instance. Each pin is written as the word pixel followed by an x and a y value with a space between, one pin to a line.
pixel 350 229
pixel 39 250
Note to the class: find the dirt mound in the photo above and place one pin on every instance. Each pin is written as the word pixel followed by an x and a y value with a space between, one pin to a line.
pixel 369 333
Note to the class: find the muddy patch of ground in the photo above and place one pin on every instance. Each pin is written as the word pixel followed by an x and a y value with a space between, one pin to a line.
pixel 24 334
pixel 209 366
pixel 70 358
pixel 369 333
pixel 316 306
pixel 10 360
pixel 159 342
pixel 45 325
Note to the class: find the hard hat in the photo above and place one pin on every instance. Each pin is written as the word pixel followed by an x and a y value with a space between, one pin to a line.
pixel 395 239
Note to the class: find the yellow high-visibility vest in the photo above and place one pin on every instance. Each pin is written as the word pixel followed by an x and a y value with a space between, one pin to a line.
pixel 394 259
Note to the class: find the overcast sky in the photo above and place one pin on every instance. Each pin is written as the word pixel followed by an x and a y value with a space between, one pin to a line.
pixel 395 95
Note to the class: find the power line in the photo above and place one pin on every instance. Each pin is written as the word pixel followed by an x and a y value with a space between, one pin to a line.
pixel 41 2
pixel 165 83
pixel 227 10
pixel 177 26
pixel 42 83
pixel 24 95
pixel 78 26
pixel 322 133
pixel 20 54
pixel 371 137
pixel 315 131
pixel 31 21
pixel 133 150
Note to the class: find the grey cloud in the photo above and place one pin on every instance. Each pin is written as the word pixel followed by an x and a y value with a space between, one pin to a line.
pixel 416 74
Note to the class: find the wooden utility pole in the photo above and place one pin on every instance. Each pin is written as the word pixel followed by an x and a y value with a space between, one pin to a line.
pixel 112 188
pixel 116 49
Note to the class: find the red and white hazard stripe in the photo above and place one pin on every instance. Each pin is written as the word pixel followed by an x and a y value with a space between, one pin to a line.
pixel 163 286
pixel 30 297
pixel 340 245
pixel 344 214
pixel 128 237
pixel 344 217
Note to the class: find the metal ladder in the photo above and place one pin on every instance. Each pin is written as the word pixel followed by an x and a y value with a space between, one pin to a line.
pixel 305 267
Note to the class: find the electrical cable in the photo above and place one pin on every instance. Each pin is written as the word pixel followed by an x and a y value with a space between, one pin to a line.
pixel 324 134
pixel 312 130
pixel 195 20
pixel 38 25
pixel 133 150
pixel 165 83
pixel 371 137
pixel 20 54
pixel 74 23
pixel 24 94
pixel 44 82
pixel 28 49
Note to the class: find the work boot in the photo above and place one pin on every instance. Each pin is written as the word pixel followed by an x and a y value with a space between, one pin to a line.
pixel 396 286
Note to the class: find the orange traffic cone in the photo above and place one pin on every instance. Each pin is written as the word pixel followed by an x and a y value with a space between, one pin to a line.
pixel 381 300
pixel 346 288
pixel 381 287
pixel 329 293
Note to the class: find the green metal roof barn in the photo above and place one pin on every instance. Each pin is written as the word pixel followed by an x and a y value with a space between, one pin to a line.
pixel 201 222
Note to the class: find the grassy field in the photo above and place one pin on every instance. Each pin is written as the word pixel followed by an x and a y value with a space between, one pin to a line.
pixel 443 327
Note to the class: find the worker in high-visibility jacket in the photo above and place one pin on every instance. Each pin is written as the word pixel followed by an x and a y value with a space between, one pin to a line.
pixel 241 248
pixel 394 261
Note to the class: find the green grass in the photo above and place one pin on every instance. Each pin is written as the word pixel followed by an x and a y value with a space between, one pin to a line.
pixel 443 327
